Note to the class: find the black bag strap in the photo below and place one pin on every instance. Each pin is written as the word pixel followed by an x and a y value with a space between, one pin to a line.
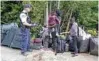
pixel 78 31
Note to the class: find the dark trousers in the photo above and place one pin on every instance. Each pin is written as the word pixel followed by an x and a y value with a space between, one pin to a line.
pixel 54 43
pixel 58 28
pixel 55 39
pixel 25 43
pixel 46 41
pixel 75 44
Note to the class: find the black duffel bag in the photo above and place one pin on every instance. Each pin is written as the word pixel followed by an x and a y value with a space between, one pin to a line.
pixel 9 30
pixel 83 45
pixel 94 46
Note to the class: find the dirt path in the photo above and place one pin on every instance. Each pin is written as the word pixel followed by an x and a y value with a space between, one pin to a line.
pixel 9 54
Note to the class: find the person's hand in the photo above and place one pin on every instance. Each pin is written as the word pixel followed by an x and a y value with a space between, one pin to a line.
pixel 34 24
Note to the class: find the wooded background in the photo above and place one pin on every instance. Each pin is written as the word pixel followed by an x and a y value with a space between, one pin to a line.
pixel 86 13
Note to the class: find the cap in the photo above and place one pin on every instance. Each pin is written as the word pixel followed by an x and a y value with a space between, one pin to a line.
pixel 27 6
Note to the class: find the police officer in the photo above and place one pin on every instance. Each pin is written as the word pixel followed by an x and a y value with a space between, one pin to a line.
pixel 25 28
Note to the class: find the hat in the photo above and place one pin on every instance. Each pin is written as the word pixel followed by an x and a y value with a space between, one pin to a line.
pixel 27 6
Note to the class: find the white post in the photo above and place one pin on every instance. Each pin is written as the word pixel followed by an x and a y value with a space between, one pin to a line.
pixel 50 7
pixel 46 18
pixel 58 4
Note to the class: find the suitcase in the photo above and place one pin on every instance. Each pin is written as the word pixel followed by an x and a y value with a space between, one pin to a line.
pixel 94 46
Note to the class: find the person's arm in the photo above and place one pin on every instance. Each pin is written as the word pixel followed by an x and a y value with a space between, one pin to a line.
pixel 23 18
pixel 52 26
pixel 57 19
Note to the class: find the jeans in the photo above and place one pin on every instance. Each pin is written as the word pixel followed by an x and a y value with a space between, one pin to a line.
pixel 25 43
pixel 75 43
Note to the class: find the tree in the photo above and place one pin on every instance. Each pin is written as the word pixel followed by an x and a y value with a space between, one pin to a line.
pixel 86 12
pixel 10 11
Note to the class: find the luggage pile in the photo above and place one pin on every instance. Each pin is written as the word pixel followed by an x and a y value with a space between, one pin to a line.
pixel 36 43
pixel 10 34
pixel 86 46
pixel 86 43
pixel 62 46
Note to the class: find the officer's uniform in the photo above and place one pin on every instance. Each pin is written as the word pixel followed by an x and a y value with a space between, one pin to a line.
pixel 25 31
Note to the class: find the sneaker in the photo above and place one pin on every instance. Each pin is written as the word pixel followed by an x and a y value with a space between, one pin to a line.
pixel 30 50
pixel 24 54
pixel 74 55
pixel 55 53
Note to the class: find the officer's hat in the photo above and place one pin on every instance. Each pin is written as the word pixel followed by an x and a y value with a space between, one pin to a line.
pixel 27 6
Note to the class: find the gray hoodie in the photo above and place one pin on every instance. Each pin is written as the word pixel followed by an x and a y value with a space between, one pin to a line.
pixel 74 29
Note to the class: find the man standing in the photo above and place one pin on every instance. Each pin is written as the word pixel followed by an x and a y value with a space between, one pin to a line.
pixel 73 34
pixel 58 14
pixel 45 36
pixel 25 23
pixel 53 21
pixel 52 29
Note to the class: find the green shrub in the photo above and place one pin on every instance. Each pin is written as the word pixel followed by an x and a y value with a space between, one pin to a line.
pixel 92 32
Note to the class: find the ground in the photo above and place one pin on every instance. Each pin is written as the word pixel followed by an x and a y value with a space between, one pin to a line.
pixel 10 54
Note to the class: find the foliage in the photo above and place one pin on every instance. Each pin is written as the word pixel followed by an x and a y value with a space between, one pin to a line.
pixel 62 37
pixel 86 13
pixel 10 11
pixel 92 32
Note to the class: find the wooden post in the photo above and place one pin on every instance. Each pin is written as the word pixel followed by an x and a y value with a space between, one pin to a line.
pixel 68 22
